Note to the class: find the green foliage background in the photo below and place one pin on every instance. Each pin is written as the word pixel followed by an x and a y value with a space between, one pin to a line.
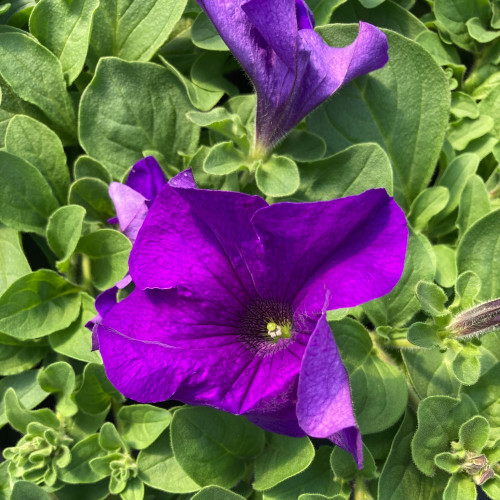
pixel 87 88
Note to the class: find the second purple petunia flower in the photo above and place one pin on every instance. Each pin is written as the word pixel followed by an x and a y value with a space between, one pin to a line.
pixel 292 68
pixel 230 301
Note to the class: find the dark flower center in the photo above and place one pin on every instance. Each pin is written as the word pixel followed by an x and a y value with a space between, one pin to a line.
pixel 267 323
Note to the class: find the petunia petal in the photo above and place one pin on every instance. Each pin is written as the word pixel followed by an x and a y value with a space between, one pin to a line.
pixel 147 178
pixel 197 239
pixel 276 22
pixel 349 250
pixel 160 344
pixel 131 208
pixel 324 406
pixel 305 16
pixel 321 71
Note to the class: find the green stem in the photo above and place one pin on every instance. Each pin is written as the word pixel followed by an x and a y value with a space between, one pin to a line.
pixel 86 274
pixel 360 490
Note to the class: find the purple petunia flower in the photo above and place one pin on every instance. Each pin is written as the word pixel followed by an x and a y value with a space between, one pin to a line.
pixel 292 68
pixel 132 201
pixel 230 300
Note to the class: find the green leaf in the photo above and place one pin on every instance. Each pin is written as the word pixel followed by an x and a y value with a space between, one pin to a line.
pixel 38 304
pixel 466 365
pixel 159 469
pixel 463 106
pixel 282 458
pixel 455 178
pixel 478 32
pixel 430 372
pixel 13 263
pixel 378 389
pixel 64 230
pixel 92 195
pixel 24 490
pixel 212 446
pixel 344 467
pixel 461 133
pixel 79 471
pixel 446 271
pixel 41 147
pixel 474 433
pixel 388 15
pixel 27 200
pixel 460 486
pixel 208 70
pixel 424 335
pixel 467 288
pixel 109 439
pixel 302 146
pixel 60 378
pixel 75 340
pixel 200 98
pixel 432 298
pixel 85 166
pixel 64 28
pixel 474 203
pixel 216 493
pixel 400 479
pixel 36 76
pixel 132 107
pixel 490 106
pixel 448 462
pixel 403 107
pixel 26 387
pixel 352 171
pixel 479 251
pixel 426 205
pixel 19 418
pixel 17 356
pixel 223 159
pixel 397 307
pixel 453 15
pixel 96 391
pixel 322 9
pixel 133 30
pixel 317 478
pixel 134 490
pixel 97 491
pixel 439 419
pixel 278 176
pixel 108 251
pixel 140 425
pixel 485 395
pixel 442 53
pixel 205 36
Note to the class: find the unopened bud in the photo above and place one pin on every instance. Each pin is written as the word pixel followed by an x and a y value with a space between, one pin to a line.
pixel 474 463
pixel 477 320
pixel 486 474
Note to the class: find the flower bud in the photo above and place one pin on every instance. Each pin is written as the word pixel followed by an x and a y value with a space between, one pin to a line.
pixel 477 320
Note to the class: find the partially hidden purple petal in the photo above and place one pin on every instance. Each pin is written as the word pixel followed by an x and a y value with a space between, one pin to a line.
pixel 183 180
pixel 276 22
pixel 324 406
pixel 131 208
pixel 147 178
pixel 305 16
pixel 349 250
pixel 104 302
